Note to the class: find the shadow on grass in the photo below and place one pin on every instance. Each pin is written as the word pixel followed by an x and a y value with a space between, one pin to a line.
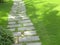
pixel 4 11
pixel 45 19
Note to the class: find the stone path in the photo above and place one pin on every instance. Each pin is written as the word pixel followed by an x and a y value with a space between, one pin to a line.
pixel 23 30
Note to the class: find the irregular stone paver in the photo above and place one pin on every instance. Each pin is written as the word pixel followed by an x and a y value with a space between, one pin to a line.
pixel 12 22
pixel 17 33
pixel 30 33
pixel 36 43
pixel 21 25
pixel 27 24
pixel 17 44
pixel 29 38
pixel 11 29
pixel 25 21
pixel 26 28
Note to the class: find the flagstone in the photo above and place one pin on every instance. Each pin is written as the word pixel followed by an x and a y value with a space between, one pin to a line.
pixel 36 43
pixel 29 38
pixel 12 29
pixel 30 33
pixel 17 33
pixel 27 24
pixel 26 28
pixel 12 22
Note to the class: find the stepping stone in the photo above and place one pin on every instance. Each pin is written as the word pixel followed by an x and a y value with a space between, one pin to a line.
pixel 17 34
pixel 30 27
pixel 27 24
pixel 25 18
pixel 21 10
pixel 26 28
pixel 12 29
pixel 12 22
pixel 11 26
pixel 18 17
pixel 23 22
pixel 15 3
pixel 26 21
pixel 14 25
pixel 11 17
pixel 21 29
pixel 36 43
pixel 21 7
pixel 17 44
pixel 29 38
pixel 30 33
pixel 14 11
pixel 18 25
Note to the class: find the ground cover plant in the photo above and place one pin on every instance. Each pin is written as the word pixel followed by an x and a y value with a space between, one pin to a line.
pixel 6 37
pixel 45 16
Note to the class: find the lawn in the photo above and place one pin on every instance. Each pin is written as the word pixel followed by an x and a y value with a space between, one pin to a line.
pixel 45 15
pixel 4 11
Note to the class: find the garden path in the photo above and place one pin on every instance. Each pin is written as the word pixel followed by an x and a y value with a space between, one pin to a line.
pixel 23 30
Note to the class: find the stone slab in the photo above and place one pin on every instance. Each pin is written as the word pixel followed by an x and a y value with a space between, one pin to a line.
pixel 36 43
pixel 30 28
pixel 26 21
pixel 12 29
pixel 29 38
pixel 17 34
pixel 11 17
pixel 17 44
pixel 26 28
pixel 27 24
pixel 30 33
pixel 13 22
pixel 14 25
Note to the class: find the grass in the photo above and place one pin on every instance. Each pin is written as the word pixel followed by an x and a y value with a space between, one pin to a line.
pixel 4 11
pixel 45 16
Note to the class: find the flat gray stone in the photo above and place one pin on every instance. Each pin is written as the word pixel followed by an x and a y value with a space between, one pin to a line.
pixel 13 11
pixel 17 44
pixel 25 18
pixel 21 7
pixel 29 38
pixel 17 34
pixel 18 25
pixel 14 25
pixel 11 17
pixel 22 16
pixel 12 22
pixel 12 29
pixel 26 28
pixel 11 26
pixel 30 33
pixel 26 21
pixel 27 24
pixel 21 29
pixel 31 28
pixel 18 17
pixel 36 43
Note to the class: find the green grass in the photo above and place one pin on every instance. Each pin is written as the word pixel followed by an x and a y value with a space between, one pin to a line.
pixel 4 11
pixel 45 16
